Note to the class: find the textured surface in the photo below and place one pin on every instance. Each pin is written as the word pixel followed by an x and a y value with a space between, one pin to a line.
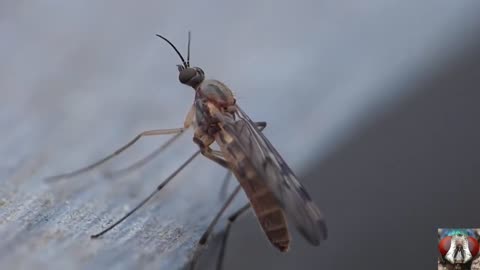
pixel 78 80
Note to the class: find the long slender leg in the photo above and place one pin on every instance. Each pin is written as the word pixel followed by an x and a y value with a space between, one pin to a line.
pixel 210 227
pixel 118 151
pixel 207 233
pixel 144 201
pixel 143 161
pixel 223 246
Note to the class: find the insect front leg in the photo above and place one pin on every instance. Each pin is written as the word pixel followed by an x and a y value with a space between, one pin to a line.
pixel 190 117
pixel 117 152
pixel 140 163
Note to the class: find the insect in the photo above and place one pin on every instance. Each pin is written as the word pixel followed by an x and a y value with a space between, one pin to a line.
pixel 458 247
pixel 272 188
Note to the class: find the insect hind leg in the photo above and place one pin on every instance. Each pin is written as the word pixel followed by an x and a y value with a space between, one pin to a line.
pixel 208 231
pixel 223 246
pixel 231 219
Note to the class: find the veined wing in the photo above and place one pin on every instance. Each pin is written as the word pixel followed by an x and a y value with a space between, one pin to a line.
pixel 268 210
pixel 278 176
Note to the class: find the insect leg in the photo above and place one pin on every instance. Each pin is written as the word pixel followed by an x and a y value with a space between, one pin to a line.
pixel 207 233
pixel 214 156
pixel 144 201
pixel 223 246
pixel 143 161
pixel 217 156
pixel 223 190
pixel 118 151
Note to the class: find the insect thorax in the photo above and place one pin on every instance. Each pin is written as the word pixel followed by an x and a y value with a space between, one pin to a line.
pixel 217 93
pixel 213 98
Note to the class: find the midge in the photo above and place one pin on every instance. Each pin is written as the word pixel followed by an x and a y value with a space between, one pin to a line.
pixel 270 185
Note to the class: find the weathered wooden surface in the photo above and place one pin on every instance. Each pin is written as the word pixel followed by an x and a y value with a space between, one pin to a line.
pixel 79 80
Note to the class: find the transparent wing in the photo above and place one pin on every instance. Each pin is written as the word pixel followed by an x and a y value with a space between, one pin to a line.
pixel 292 196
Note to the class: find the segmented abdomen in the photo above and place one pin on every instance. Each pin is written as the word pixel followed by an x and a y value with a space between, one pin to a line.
pixel 266 207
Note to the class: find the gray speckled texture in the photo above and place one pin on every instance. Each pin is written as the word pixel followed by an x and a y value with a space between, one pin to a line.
pixel 79 79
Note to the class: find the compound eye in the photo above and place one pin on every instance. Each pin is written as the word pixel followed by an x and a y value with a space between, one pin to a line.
pixel 186 75
pixel 444 245
pixel 473 246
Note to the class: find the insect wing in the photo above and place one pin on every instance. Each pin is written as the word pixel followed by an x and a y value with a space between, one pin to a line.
pixel 279 177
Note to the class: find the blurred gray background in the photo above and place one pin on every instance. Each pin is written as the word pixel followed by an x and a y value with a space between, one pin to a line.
pixel 373 103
